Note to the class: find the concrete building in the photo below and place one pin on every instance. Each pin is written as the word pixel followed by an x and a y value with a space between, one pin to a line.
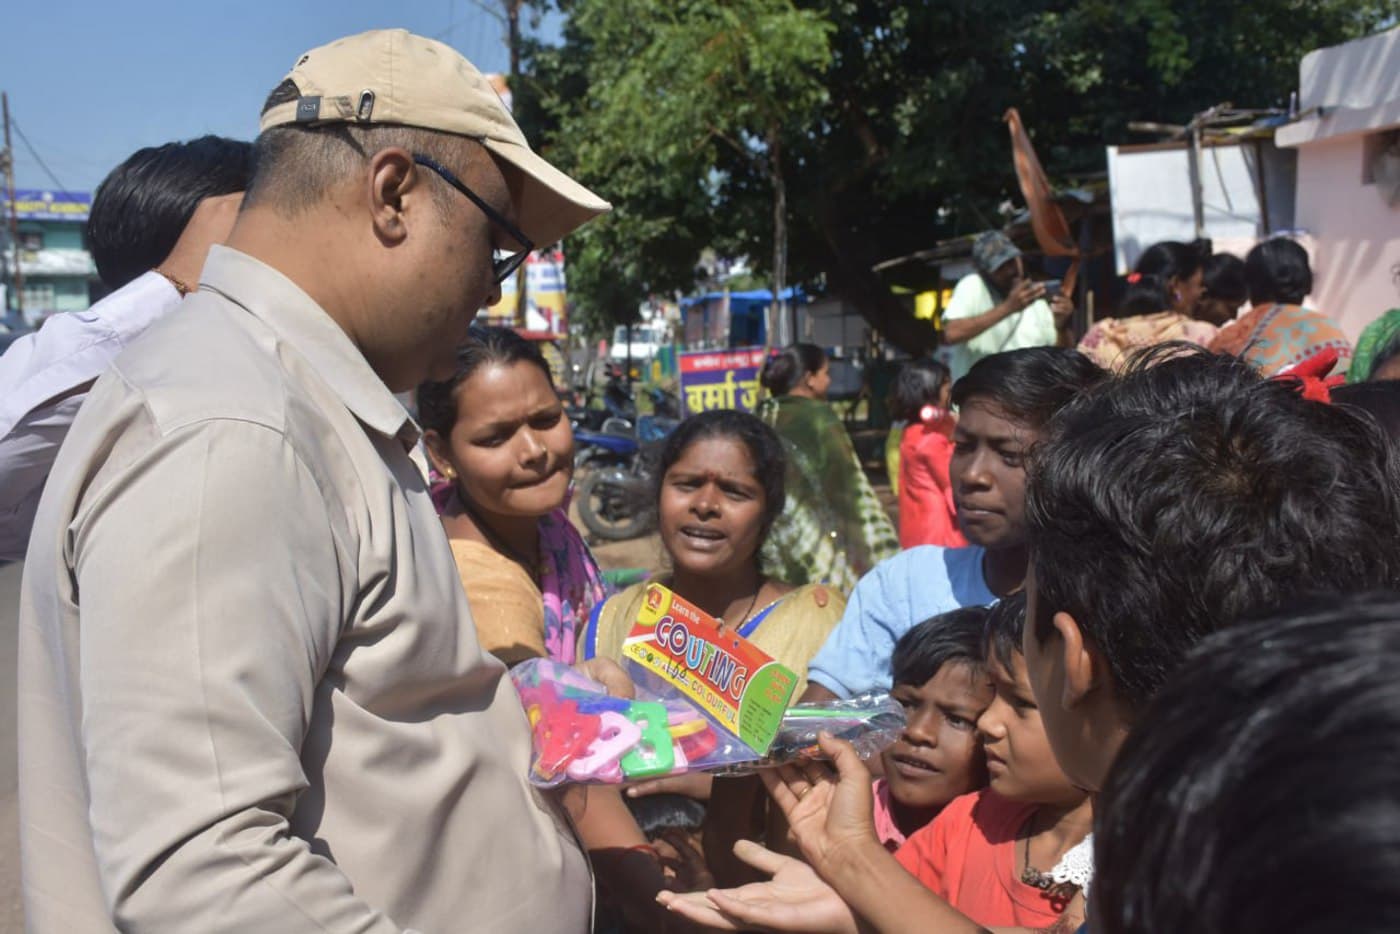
pixel 59 275
pixel 1348 196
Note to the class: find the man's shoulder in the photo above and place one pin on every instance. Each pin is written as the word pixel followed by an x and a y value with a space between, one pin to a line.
pixel 970 297
pixel 928 563
pixel 210 361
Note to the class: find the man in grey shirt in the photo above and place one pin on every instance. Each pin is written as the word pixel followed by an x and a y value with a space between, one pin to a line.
pixel 251 694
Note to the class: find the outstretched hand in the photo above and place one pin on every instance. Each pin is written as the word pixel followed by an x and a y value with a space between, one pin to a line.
pixel 794 899
pixel 830 812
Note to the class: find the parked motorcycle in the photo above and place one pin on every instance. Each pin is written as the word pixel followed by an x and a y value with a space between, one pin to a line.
pixel 615 472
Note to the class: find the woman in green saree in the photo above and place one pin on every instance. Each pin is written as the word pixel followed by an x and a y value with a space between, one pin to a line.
pixel 833 528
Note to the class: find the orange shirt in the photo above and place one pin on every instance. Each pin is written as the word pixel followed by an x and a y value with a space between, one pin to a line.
pixel 968 855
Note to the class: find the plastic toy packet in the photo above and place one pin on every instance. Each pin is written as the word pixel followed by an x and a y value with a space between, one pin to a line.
pixel 869 722
pixel 706 699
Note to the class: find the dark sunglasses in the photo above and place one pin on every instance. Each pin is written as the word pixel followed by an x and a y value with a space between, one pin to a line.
pixel 503 264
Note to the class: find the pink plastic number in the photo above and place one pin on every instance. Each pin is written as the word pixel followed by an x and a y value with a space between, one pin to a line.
pixel 616 735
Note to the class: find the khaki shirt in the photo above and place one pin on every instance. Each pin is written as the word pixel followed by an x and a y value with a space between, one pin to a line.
pixel 251 694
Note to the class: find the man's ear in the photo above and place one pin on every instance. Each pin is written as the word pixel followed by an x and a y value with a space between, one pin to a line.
pixel 1081 661
pixel 437 453
pixel 393 178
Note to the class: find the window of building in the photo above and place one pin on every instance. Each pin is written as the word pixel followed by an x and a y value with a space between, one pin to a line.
pixel 1376 149
pixel 31 240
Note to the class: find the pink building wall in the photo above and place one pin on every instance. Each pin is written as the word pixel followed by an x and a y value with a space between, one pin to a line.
pixel 1353 235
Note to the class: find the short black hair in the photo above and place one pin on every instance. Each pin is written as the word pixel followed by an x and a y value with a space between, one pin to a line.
pixel 1029 385
pixel 1261 789
pixel 1144 294
pixel 955 636
pixel 657 813
pixel 1006 622
pixel 762 442
pixel 437 400
pixel 917 384
pixel 1224 278
pixel 1277 270
pixel 1380 400
pixel 1190 493
pixel 295 165
pixel 785 369
pixel 143 205
pixel 1171 259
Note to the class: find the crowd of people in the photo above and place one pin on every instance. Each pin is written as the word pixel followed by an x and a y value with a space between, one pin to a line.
pixel 1139 607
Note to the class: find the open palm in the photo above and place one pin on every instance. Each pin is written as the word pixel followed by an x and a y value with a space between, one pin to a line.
pixel 794 899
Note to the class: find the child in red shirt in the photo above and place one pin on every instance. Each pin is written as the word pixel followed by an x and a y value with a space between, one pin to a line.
pixel 920 398
pixel 940 680
pixel 991 854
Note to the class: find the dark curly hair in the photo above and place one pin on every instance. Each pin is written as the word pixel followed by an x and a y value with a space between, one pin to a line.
pixel 1265 773
pixel 1190 493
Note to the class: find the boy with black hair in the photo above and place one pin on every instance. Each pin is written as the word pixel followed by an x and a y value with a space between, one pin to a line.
pixel 1263 775
pixel 940 680
pixel 1004 400
pixel 153 221
pixel 1183 497
pixel 1188 495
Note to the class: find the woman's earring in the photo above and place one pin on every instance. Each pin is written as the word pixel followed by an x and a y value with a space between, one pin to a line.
pixel 449 473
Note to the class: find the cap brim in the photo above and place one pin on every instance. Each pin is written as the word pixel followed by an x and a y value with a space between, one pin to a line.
pixel 551 203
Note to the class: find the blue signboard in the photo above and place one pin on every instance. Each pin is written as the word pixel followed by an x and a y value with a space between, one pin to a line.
pixel 39 204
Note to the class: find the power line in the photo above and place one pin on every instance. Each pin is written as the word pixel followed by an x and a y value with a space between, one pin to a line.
pixel 30 146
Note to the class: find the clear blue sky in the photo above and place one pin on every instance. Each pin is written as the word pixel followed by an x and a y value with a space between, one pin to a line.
pixel 91 82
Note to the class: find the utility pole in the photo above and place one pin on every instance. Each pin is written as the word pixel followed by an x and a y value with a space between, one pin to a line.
pixel 9 159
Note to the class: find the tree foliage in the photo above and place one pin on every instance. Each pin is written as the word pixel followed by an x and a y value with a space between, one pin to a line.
pixel 885 118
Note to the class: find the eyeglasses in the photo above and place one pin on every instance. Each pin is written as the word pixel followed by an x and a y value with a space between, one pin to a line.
pixel 502 263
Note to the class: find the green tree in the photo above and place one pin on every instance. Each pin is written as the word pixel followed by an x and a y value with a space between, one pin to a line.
pixel 889 136
pixel 664 98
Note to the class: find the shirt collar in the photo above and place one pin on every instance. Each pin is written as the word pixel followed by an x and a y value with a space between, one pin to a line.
pixel 280 304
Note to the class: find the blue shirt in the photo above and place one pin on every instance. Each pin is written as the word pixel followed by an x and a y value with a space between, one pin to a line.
pixel 896 595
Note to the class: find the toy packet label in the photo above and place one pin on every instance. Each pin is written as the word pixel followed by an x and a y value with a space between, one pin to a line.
pixel 731 679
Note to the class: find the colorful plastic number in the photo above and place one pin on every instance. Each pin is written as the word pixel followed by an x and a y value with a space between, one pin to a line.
pixel 616 735
pixel 654 755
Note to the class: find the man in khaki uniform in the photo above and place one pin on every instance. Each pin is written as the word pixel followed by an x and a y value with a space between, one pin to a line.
pixel 251 694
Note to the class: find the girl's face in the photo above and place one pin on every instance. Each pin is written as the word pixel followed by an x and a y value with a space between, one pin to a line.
pixel 937 757
pixel 711 508
pixel 511 448
pixel 1020 762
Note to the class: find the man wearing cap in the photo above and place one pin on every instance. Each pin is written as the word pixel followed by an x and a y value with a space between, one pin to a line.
pixel 996 308
pixel 252 697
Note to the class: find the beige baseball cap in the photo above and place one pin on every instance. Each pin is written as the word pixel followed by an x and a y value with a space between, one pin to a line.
pixel 392 76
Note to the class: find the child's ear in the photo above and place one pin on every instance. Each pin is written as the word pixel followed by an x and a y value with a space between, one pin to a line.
pixel 1081 661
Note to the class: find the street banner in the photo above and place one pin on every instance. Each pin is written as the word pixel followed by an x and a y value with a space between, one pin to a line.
pixel 720 379
pixel 36 204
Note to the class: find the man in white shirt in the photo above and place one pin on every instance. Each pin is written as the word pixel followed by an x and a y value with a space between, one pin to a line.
pixel 997 308
pixel 152 222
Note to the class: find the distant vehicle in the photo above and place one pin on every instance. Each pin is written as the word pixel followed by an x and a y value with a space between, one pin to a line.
pixel 647 339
